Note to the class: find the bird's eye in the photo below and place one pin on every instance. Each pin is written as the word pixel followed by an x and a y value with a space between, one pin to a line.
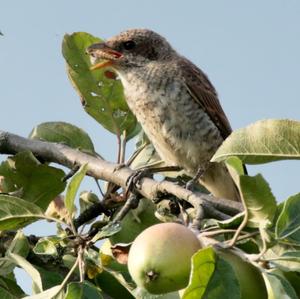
pixel 129 45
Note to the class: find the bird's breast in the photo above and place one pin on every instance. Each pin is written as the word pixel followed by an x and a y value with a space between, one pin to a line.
pixel 179 129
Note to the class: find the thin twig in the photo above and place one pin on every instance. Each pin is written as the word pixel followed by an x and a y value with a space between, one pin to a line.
pixel 99 187
pixel 131 203
pixel 242 225
pixel 247 236
pixel 217 232
pixel 81 263
pixel 119 147
pixel 62 285
pixel 264 246
pixel 123 147
pixel 135 154
pixel 70 173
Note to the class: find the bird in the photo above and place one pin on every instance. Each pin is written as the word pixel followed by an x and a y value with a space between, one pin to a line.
pixel 174 101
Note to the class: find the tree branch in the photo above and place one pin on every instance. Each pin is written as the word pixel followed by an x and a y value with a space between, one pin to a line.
pixel 111 172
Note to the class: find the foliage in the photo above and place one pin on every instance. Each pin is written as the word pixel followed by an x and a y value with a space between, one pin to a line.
pixel 262 142
pixel 101 96
pixel 74 264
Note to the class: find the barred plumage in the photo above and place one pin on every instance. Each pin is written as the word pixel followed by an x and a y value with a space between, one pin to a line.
pixel 175 103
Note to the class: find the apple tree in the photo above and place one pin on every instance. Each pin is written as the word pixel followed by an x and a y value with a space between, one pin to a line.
pixel 142 236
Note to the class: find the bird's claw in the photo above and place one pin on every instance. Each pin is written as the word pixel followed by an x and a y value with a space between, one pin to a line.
pixel 200 172
pixel 133 181
pixel 190 185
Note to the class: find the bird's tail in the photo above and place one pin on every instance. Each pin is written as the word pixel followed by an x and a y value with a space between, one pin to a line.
pixel 218 181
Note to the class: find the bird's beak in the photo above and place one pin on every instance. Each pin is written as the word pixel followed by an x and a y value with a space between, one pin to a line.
pixel 101 51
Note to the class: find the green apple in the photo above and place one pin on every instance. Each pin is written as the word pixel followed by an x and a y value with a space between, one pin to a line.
pixel 160 257
pixel 251 282
pixel 294 280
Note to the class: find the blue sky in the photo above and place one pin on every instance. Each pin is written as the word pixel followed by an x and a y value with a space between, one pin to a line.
pixel 249 49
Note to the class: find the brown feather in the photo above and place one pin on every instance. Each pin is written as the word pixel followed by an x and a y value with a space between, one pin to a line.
pixel 203 92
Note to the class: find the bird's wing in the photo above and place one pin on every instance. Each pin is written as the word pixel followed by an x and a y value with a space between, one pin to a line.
pixel 203 92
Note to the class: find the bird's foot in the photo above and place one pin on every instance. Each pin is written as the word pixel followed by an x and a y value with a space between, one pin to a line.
pixel 133 182
pixel 191 183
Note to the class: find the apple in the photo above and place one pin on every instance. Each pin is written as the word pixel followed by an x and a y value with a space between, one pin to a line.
pixel 251 281
pixel 160 257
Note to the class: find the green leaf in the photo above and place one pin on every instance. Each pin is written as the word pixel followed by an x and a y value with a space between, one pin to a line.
pixel 9 288
pixel 147 157
pixel 19 245
pixel 47 245
pixel 236 164
pixel 292 255
pixel 288 222
pixel 113 285
pixel 33 273
pixel 110 264
pixel 101 97
pixel 62 132
pixel 50 278
pixel 50 293
pixel 69 260
pixel 294 280
pixel 278 287
pixel 87 199
pixel 16 212
pixel 233 222
pixel 7 294
pixel 91 257
pixel 73 187
pixel 83 290
pixel 107 231
pixel 288 261
pixel 235 168
pixel 249 246
pixel 37 183
pixel 143 294
pixel 6 266
pixel 262 142
pixel 211 277
pixel 260 202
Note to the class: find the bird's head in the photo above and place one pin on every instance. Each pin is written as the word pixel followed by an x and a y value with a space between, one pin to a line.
pixel 131 48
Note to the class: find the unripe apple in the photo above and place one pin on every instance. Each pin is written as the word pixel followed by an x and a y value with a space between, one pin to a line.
pixel 251 282
pixel 160 257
